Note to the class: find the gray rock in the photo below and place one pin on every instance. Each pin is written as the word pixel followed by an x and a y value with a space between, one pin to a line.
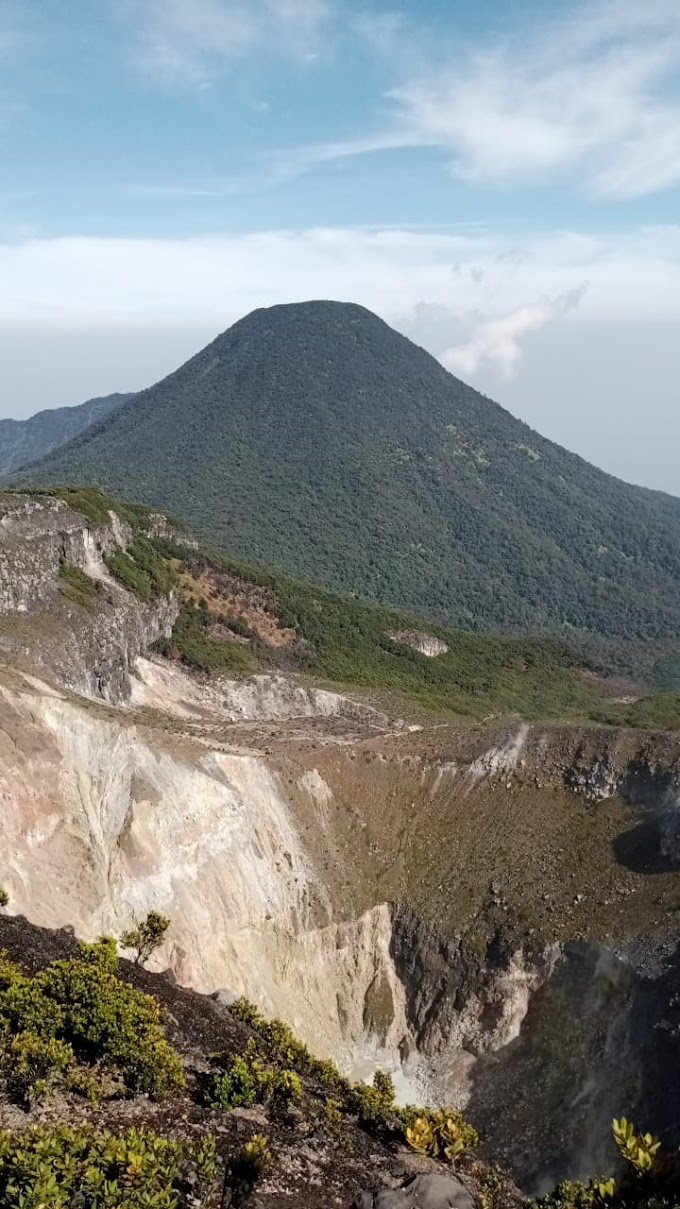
pixel 419 1192
pixel 225 997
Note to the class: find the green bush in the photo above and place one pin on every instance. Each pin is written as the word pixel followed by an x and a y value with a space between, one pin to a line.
pixel 81 1003
pixel 285 1087
pixel 373 1102
pixel 4 897
pixel 236 1087
pixel 247 1080
pixel 32 1063
pixel 49 1167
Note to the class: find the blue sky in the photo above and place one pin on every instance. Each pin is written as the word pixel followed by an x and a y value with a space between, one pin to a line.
pixel 500 181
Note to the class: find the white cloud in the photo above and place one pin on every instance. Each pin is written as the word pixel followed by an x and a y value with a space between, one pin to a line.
pixel 497 341
pixel 593 93
pixel 478 279
pixel 190 40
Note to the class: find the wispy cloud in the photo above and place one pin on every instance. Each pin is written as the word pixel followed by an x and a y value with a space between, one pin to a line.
pixel 498 342
pixel 596 93
pixel 191 40
pixel 593 94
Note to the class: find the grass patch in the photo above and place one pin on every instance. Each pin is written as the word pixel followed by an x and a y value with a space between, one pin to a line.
pixel 660 711
pixel 76 586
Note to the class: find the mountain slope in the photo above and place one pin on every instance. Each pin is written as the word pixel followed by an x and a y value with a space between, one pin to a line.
pixel 24 441
pixel 315 437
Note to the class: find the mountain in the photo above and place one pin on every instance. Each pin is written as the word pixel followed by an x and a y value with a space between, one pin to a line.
pixel 24 441
pixel 314 437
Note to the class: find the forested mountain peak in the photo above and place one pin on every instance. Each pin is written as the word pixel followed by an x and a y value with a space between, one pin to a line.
pixel 313 436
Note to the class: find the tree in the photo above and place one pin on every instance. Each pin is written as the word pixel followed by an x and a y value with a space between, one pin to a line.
pixel 146 937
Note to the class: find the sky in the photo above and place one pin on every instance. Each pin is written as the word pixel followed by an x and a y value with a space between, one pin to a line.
pixel 500 182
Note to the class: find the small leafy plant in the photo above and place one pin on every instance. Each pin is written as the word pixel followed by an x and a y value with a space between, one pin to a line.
pixel 248 1166
pixel 372 1102
pixel 146 937
pixel 638 1149
pixel 443 1133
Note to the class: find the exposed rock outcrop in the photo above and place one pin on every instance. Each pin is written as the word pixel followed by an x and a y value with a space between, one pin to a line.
pixel 419 1192
pixel 88 650
pixel 37 533
pixel 425 644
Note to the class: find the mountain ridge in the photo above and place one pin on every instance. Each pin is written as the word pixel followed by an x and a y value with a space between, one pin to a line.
pixel 25 441
pixel 313 437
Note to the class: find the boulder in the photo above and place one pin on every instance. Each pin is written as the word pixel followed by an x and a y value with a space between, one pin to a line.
pixel 419 1192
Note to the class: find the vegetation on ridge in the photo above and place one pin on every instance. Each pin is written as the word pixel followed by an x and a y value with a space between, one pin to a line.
pixel 76 1014
pixel 177 1154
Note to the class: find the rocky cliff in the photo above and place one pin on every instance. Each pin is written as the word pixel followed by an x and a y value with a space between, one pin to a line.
pixel 88 649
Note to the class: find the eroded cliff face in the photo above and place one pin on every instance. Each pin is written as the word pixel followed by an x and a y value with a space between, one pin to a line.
pixel 90 651
pixel 279 868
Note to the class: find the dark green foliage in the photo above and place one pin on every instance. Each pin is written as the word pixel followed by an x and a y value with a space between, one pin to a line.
pixel 141 569
pixel 146 937
pixel 51 1166
pixel 4 897
pixel 315 438
pixel 79 1004
pixel 76 586
pixel 22 441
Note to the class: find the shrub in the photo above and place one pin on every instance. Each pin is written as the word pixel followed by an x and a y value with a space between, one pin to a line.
pixel 650 1180
pixel 242 1009
pixel 237 1087
pixel 32 1063
pixel 76 586
pixel 81 1003
pixel 63 1165
pixel 4 897
pixel 639 1150
pixel 285 1087
pixel 372 1103
pixel 141 569
pixel 442 1133
pixel 248 1079
pixel 146 937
